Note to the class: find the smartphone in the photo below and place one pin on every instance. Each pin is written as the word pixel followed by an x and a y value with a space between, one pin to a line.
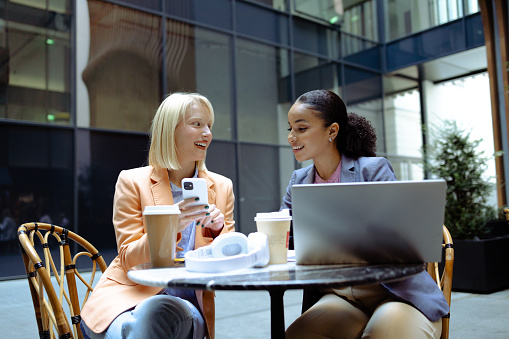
pixel 195 188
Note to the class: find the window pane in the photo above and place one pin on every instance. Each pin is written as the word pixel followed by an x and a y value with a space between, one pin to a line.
pixel 403 124
pixel 222 159
pixel 316 38
pixel 213 77
pixel 360 19
pixel 259 183
pixel 261 23
pixel 180 57
pixel 59 6
pixel 217 13
pixel 277 4
pixel 124 66
pixel 361 85
pixel 427 45
pixel 475 31
pixel 314 73
pixel 35 56
pixel 102 157
pixel 286 167
pixel 471 6
pixel 262 74
pixel 152 4
pixel 363 96
pixel 404 17
pixel 372 110
pixel 36 184
pixel 327 10
pixel 361 51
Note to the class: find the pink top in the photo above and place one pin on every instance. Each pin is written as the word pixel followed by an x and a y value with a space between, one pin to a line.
pixel 334 178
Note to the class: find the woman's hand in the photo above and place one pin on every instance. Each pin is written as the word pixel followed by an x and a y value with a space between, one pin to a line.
pixel 214 219
pixel 188 214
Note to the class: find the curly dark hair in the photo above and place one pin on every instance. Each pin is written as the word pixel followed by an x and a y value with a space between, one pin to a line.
pixel 356 136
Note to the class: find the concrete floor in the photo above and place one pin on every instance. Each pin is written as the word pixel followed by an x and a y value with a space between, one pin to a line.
pixel 246 314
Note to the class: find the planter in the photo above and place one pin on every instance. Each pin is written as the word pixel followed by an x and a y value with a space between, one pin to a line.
pixel 481 266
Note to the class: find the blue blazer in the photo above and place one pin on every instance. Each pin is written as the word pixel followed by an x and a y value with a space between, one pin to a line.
pixel 420 290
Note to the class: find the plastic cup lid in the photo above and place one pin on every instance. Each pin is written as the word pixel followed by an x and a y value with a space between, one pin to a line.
pixel 281 215
pixel 161 209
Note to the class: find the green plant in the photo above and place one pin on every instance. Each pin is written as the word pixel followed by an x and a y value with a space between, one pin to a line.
pixel 456 158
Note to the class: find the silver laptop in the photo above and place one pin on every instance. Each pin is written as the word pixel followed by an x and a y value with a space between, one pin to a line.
pixel 368 222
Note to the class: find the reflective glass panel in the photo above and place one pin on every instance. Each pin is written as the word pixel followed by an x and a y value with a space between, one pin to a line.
pixel 361 51
pixel 122 75
pixel 471 6
pixel 35 56
pixel 315 73
pixel 261 23
pixel 360 19
pixel 222 159
pixel 330 11
pixel 199 60
pixel 152 4
pixel 475 31
pixel 313 37
pixel 357 19
pixel 213 77
pixel 277 4
pixel 217 13
pixel 363 95
pixel 427 45
pixel 59 6
pixel 102 156
pixel 259 183
pixel 36 184
pixel 262 92
pixel 403 124
pixel 404 17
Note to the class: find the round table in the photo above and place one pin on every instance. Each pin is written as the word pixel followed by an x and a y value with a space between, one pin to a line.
pixel 275 279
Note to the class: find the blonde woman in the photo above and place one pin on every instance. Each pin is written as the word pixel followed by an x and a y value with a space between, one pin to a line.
pixel 181 132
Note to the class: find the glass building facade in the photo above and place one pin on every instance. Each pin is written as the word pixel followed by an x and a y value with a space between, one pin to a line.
pixel 80 82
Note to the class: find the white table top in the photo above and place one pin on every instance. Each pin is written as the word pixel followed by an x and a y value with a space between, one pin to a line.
pixel 283 276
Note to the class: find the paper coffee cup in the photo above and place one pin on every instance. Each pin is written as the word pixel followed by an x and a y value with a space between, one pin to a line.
pixel 276 225
pixel 161 224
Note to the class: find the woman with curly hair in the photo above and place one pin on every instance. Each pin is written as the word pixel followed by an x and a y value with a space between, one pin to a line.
pixel 343 149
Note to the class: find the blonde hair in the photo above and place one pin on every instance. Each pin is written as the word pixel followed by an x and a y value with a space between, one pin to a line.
pixel 163 150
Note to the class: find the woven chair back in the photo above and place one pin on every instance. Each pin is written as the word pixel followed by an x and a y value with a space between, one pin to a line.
pixel 53 281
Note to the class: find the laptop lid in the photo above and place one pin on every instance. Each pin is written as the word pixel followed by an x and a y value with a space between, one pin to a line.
pixel 368 222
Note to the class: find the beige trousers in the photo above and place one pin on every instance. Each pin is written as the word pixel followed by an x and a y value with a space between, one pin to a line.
pixel 362 312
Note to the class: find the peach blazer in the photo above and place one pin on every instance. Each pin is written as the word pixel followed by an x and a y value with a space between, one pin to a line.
pixel 135 189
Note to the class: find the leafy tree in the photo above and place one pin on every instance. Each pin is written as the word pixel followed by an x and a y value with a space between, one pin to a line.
pixel 455 158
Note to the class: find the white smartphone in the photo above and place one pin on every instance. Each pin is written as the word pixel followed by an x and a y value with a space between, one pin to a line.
pixel 195 188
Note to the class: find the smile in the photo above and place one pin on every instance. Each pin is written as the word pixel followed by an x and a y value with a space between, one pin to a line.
pixel 201 144
pixel 298 148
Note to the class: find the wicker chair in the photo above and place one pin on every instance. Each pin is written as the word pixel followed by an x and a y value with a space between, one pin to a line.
pixel 50 296
pixel 444 280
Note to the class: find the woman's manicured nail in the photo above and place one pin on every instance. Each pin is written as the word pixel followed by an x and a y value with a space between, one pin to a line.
pixel 196 199
pixel 207 214
pixel 197 223
pixel 212 221
pixel 207 206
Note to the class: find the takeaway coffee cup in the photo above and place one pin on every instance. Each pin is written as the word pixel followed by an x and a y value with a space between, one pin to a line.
pixel 161 223
pixel 276 225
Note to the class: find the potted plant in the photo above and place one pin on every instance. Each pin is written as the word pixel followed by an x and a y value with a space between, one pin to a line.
pixel 481 253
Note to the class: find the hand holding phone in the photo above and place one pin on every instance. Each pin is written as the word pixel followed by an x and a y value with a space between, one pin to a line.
pixel 195 188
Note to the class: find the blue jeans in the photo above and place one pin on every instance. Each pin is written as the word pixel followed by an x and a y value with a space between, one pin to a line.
pixel 160 316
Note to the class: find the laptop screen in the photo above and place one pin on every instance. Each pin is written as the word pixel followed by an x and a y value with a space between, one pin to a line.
pixel 368 222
